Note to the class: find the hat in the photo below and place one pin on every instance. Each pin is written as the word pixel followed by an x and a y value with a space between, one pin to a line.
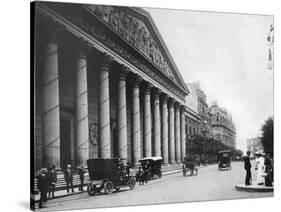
pixel 43 170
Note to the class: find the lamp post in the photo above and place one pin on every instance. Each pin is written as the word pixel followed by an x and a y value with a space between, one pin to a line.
pixel 270 40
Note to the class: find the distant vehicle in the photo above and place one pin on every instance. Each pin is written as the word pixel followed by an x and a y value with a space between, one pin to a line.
pixel 224 160
pixel 107 175
pixel 189 165
pixel 150 166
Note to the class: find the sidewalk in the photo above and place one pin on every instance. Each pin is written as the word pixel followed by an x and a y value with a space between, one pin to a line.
pixel 63 193
pixel 254 188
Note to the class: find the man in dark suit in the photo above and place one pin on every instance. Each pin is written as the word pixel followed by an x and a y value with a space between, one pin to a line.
pixel 43 186
pixel 68 176
pixel 247 167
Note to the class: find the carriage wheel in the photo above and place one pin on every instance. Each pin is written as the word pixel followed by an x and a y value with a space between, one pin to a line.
pixel 91 189
pixel 132 183
pixel 108 187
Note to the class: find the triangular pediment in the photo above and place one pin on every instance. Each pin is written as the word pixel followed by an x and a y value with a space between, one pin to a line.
pixel 136 26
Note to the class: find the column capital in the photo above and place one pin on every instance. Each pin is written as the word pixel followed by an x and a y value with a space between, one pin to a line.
pixel 107 62
pixel 124 72
pixel 164 97
pixel 83 48
pixel 171 102
pixel 182 108
pixel 136 81
pixel 177 105
pixel 147 87
pixel 156 92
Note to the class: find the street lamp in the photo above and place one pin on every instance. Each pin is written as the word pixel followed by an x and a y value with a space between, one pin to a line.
pixel 270 40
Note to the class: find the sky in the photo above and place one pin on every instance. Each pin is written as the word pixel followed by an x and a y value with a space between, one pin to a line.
pixel 228 55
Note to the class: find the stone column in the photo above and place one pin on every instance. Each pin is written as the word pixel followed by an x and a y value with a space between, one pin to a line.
pixel 136 121
pixel 164 122
pixel 171 132
pixel 104 110
pixel 183 135
pixel 122 113
pixel 177 134
pixel 81 109
pixel 147 121
pixel 50 107
pixel 156 123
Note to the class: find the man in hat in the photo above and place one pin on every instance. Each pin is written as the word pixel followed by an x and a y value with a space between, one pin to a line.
pixel 247 167
pixel 81 172
pixel 268 169
pixel 68 176
pixel 53 180
pixel 43 186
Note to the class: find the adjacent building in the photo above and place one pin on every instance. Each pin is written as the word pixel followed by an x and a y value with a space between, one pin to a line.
pixel 223 128
pixel 254 145
pixel 105 86
pixel 191 112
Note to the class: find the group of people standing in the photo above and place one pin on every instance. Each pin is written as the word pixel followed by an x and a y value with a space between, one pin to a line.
pixel 264 167
pixel 47 180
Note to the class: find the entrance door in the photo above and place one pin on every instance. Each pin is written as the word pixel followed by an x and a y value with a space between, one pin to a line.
pixel 65 143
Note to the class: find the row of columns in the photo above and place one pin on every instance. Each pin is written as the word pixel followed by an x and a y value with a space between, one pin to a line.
pixel 168 132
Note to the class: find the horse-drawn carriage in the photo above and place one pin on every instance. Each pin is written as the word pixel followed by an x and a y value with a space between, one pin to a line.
pixel 189 165
pixel 149 168
pixel 107 175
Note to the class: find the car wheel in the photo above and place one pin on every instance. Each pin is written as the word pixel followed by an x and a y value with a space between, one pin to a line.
pixel 108 187
pixel 91 189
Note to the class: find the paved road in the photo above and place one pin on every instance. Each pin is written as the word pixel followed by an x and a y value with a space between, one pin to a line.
pixel 210 184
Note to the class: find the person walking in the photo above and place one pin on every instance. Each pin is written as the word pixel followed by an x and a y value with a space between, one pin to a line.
pixel 81 172
pixel 43 186
pixel 247 167
pixel 68 176
pixel 268 170
pixel 53 181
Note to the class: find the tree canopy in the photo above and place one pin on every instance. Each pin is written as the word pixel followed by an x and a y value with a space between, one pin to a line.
pixel 267 135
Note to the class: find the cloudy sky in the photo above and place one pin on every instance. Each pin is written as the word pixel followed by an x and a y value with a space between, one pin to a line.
pixel 227 54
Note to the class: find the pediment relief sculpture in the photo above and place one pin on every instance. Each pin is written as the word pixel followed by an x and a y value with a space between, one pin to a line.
pixel 135 32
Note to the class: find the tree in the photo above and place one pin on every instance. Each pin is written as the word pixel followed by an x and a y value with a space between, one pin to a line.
pixel 267 135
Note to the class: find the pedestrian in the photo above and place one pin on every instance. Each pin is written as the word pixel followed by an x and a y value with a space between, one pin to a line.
pixel 128 165
pixel 268 170
pixel 247 167
pixel 68 176
pixel 81 172
pixel 53 181
pixel 260 168
pixel 43 186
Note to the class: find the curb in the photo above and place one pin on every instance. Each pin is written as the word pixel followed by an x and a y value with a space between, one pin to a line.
pixel 242 187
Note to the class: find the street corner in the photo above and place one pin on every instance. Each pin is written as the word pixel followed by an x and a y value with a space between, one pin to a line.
pixel 254 188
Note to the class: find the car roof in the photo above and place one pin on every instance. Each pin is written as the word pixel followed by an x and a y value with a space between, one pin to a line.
pixel 155 158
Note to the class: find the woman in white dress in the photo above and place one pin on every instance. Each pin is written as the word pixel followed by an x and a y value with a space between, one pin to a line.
pixel 260 168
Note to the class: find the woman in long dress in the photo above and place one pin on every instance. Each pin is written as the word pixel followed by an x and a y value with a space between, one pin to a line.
pixel 260 168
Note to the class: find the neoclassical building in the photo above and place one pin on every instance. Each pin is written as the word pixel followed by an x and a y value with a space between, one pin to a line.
pixel 105 86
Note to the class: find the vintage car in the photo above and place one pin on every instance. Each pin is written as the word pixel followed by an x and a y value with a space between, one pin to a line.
pixel 149 167
pixel 107 175
pixel 189 165
pixel 224 160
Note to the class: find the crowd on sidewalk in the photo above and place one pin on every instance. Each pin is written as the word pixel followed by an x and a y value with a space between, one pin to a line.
pixel 47 180
pixel 264 167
